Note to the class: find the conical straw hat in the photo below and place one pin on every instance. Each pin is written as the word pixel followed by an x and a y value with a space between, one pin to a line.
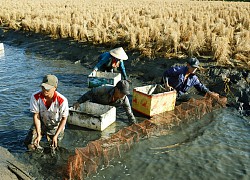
pixel 119 53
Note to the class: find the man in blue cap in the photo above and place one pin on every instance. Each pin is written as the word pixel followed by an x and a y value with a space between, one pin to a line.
pixel 182 78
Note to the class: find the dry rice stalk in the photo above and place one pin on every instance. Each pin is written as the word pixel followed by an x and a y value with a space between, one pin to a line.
pixel 96 38
pixel 193 46
pixel 157 25
pixel 242 41
pixel 83 34
pixel 133 40
pixel 75 31
pixel 222 51
pixel 243 60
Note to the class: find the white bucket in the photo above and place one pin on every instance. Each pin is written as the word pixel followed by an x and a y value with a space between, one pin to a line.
pixel 1 47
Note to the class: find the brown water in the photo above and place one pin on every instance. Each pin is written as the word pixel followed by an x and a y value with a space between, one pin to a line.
pixel 215 147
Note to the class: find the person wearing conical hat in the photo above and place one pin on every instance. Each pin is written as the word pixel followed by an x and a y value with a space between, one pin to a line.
pixel 112 60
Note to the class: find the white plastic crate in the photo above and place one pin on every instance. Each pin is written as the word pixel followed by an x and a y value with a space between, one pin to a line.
pixel 1 47
pixel 101 78
pixel 92 115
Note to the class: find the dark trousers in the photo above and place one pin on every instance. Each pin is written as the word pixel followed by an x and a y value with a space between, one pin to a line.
pixel 32 135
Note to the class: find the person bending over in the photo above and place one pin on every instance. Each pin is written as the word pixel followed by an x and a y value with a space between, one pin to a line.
pixel 112 61
pixel 182 78
pixel 110 95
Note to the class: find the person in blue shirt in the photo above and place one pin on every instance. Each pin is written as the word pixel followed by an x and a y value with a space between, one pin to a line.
pixel 182 78
pixel 112 60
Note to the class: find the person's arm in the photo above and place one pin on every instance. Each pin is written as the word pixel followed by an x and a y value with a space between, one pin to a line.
pixel 34 108
pixel 37 124
pixel 171 73
pixel 85 97
pixel 59 129
pixel 90 95
pixel 166 84
pixel 64 112
pixel 104 58
pixel 199 86
pixel 202 88
pixel 123 70
pixel 128 110
pixel 213 94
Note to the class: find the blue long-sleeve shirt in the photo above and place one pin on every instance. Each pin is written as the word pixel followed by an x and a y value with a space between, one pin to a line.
pixel 106 60
pixel 176 79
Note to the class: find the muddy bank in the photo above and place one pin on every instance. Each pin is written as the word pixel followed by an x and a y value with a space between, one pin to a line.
pixel 234 84
pixel 10 168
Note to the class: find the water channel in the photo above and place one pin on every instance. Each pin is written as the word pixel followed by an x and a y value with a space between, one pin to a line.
pixel 215 147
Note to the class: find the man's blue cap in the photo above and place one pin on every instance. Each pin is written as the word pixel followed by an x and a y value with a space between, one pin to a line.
pixel 193 62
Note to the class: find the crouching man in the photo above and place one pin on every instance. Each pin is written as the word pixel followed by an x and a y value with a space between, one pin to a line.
pixel 182 78
pixel 50 111
pixel 110 95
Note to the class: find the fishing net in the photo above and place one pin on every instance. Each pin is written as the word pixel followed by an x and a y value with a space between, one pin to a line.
pixel 100 152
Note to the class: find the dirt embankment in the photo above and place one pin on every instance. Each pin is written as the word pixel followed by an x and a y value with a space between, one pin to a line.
pixel 10 168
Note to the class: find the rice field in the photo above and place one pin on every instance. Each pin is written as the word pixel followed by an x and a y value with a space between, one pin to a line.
pixel 156 28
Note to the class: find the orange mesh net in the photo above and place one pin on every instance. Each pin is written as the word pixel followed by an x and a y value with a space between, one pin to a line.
pixel 100 152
